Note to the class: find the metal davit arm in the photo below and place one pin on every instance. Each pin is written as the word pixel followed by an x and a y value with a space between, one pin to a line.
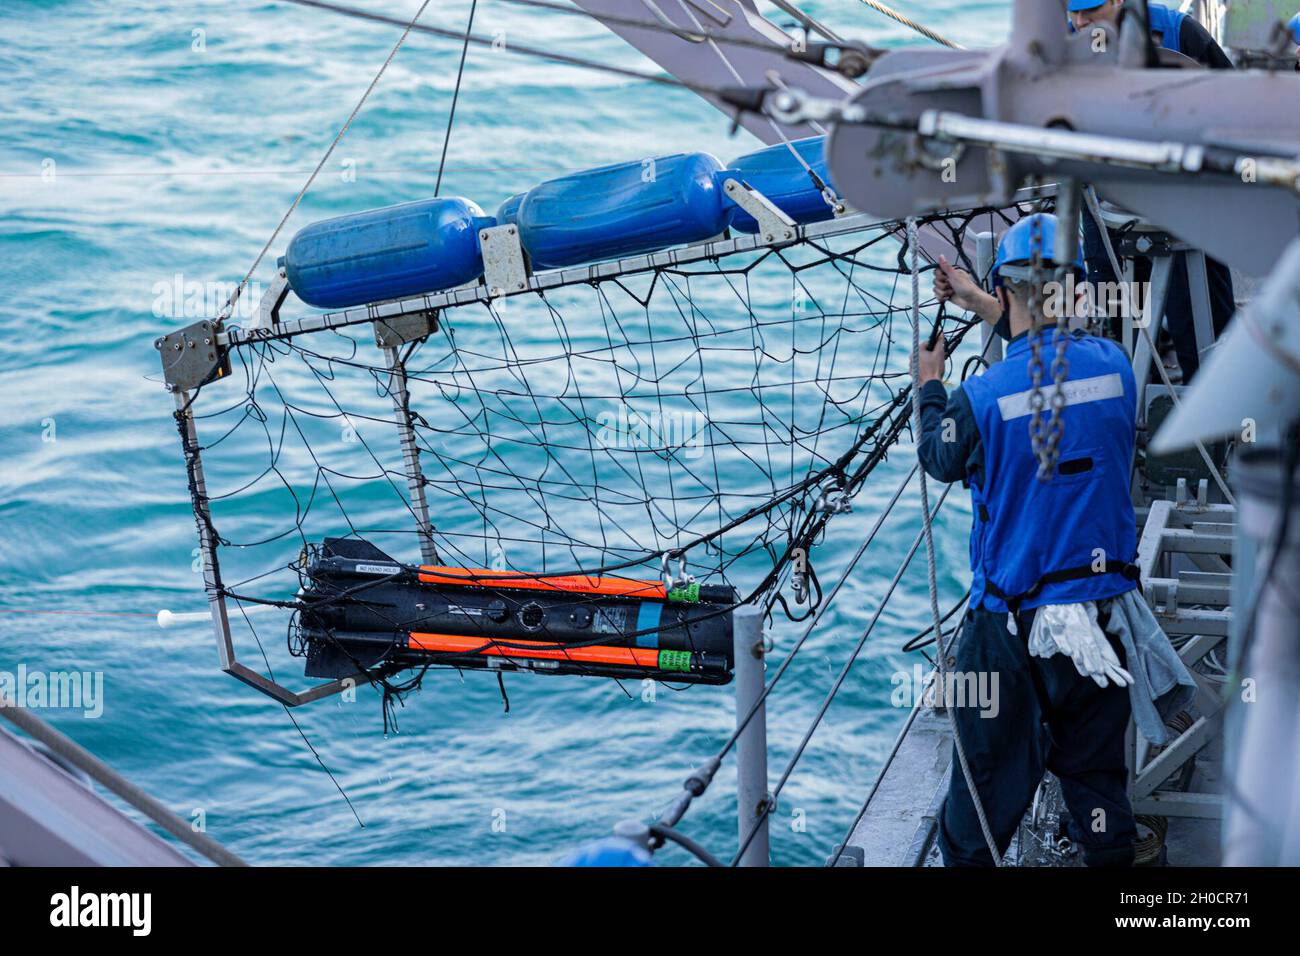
pixel 708 64
pixel 212 575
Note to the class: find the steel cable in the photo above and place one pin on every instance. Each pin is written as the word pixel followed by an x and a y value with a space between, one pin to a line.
pixel 912 24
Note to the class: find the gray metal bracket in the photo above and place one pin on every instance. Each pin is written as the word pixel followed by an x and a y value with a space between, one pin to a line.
pixel 505 269
pixel 847 856
pixel 192 356
pixel 773 224
pixel 398 330
pixel 268 310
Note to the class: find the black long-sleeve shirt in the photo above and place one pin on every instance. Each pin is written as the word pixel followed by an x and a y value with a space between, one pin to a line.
pixel 1201 47
pixel 1197 43
pixel 950 448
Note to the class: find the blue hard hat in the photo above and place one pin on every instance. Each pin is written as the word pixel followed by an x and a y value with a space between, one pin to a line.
pixel 1077 5
pixel 1036 233
pixel 610 852
pixel 1295 28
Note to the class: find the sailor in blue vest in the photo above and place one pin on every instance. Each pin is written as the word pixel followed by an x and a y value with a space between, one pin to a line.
pixel 1170 28
pixel 1063 545
pixel 1181 33
pixel 1294 26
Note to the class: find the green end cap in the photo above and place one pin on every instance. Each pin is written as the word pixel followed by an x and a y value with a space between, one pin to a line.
pixel 675 661
pixel 690 593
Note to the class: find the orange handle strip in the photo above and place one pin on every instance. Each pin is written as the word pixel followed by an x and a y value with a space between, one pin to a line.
pixel 463 644
pixel 572 584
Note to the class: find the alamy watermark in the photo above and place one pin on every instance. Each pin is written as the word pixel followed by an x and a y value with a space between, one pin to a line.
pixel 133 911
pixel 977 690
pixel 674 432
pixel 181 298
pixel 1114 300
pixel 53 690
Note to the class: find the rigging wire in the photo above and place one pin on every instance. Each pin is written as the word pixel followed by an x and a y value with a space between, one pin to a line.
pixel 455 97
pixel 776 127
pixel 228 309
pixel 567 59
pixel 699 780
pixel 662 24
pixel 766 809
pixel 912 24
pixel 807 21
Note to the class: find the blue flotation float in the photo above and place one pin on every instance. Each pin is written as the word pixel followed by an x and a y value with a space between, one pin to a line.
pixel 781 177
pixel 626 209
pixel 412 248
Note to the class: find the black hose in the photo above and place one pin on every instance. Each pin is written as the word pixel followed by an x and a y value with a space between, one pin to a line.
pixel 686 843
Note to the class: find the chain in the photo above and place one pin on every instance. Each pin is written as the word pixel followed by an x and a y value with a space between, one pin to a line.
pixel 1036 400
pixel 1046 436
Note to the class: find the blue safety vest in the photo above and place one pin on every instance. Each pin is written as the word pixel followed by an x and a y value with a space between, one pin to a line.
pixel 1167 24
pixel 1074 537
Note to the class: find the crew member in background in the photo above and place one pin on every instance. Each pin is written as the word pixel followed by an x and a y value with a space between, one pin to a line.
pixel 1039 549
pixel 1181 33
pixel 1170 28
pixel 1295 35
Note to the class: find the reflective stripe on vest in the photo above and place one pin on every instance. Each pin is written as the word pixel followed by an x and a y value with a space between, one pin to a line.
pixel 1026 531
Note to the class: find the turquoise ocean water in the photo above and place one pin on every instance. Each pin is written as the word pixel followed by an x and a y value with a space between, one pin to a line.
pixel 148 140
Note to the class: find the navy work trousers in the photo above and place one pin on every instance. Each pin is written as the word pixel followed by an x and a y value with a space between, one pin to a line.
pixel 1080 740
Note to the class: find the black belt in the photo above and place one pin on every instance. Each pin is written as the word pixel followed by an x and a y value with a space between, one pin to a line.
pixel 1013 601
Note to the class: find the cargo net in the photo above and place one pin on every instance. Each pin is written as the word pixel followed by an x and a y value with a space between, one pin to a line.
pixel 695 425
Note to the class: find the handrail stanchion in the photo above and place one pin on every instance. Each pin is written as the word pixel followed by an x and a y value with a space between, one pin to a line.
pixel 751 745
pixel 985 250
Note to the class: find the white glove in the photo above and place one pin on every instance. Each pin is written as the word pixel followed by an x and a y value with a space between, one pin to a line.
pixel 1072 629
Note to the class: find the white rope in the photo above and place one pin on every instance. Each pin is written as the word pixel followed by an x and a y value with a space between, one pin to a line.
pixel 912 24
pixel 913 245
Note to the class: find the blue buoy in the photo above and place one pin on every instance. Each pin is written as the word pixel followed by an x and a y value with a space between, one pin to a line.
pixel 779 176
pixel 412 248
pixel 609 853
pixel 508 211
pixel 622 210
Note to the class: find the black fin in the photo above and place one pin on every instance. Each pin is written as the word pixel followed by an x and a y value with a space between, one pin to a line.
pixel 354 549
